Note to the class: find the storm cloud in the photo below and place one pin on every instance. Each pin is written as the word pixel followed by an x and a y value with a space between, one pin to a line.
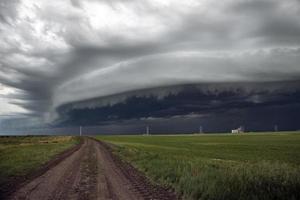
pixel 63 60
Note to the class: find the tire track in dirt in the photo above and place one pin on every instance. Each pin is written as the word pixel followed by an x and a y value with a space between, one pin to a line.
pixel 137 182
pixel 92 172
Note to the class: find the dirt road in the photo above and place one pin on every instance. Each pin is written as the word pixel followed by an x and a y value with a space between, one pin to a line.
pixel 92 172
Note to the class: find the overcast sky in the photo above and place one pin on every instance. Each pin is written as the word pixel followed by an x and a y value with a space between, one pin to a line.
pixel 90 54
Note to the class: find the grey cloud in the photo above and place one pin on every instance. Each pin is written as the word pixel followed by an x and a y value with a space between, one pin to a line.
pixel 256 92
pixel 191 104
pixel 8 10
pixel 270 22
pixel 74 56
pixel 181 68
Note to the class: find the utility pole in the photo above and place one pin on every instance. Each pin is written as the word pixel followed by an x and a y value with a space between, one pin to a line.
pixel 200 129
pixel 80 131
pixel 147 130
pixel 276 128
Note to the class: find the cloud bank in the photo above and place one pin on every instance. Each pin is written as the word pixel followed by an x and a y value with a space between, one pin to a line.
pixel 93 54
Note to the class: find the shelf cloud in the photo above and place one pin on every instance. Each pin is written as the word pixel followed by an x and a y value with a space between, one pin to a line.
pixel 64 58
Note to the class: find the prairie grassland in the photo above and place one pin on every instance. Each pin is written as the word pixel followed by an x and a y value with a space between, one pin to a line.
pixel 20 155
pixel 218 166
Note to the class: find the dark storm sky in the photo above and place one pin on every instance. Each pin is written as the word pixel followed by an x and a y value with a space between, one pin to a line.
pixel 174 65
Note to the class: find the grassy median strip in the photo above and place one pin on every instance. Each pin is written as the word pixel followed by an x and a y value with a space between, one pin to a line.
pixel 248 166
pixel 21 155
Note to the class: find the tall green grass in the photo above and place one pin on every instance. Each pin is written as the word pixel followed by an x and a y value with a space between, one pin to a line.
pixel 250 166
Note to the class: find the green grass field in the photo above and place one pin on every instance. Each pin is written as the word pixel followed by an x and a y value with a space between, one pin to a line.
pixel 22 155
pixel 218 166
